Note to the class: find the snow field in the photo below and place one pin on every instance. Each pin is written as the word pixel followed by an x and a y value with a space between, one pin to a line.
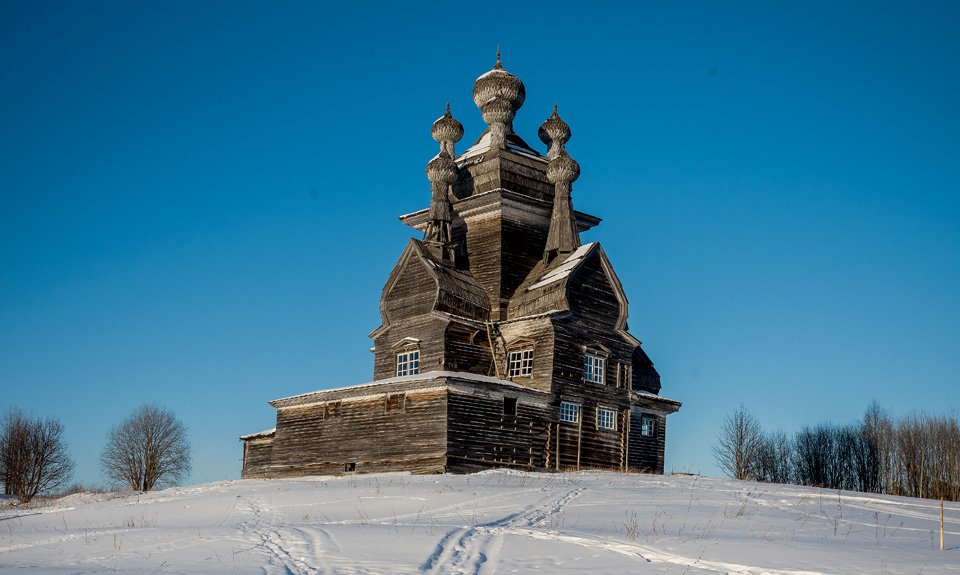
pixel 491 522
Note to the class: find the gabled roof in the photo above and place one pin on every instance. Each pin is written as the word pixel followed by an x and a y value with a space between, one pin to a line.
pixel 546 288
pixel 456 291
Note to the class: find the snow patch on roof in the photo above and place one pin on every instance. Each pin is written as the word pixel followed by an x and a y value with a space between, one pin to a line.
pixel 418 377
pixel 264 433
pixel 564 269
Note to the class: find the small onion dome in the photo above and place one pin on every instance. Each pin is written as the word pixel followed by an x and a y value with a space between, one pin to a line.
pixel 498 83
pixel 442 169
pixel 447 128
pixel 563 168
pixel 498 111
pixel 554 130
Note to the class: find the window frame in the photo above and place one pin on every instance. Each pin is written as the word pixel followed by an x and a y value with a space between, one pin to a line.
pixel 524 365
pixel 395 402
pixel 411 365
pixel 612 413
pixel 570 407
pixel 591 361
pixel 651 430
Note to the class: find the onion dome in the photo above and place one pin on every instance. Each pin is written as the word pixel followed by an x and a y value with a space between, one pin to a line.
pixel 554 132
pixel 498 83
pixel 498 111
pixel 447 128
pixel 563 169
pixel 442 169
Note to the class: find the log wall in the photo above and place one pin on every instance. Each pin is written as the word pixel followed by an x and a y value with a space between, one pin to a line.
pixel 480 435
pixel 403 431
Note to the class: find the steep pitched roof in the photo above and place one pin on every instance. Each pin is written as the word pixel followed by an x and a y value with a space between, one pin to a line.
pixel 546 289
pixel 455 291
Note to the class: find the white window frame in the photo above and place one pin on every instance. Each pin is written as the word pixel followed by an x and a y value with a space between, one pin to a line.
pixel 648 426
pixel 594 368
pixel 520 363
pixel 408 362
pixel 569 412
pixel 606 418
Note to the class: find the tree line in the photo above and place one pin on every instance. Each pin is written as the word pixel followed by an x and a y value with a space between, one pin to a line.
pixel 917 455
pixel 148 449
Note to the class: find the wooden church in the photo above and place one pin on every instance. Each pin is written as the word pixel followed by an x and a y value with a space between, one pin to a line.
pixel 504 340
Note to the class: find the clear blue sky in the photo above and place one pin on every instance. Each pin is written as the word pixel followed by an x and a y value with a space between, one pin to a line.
pixel 198 201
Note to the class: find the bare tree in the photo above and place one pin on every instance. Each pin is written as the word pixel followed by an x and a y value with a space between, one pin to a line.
pixel 775 461
pixel 148 449
pixel 33 455
pixel 739 444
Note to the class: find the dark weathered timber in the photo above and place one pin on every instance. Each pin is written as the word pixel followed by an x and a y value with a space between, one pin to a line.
pixel 484 284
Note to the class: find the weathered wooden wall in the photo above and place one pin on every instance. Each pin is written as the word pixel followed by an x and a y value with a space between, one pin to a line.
pixel 646 453
pixel 257 456
pixel 480 435
pixel 367 433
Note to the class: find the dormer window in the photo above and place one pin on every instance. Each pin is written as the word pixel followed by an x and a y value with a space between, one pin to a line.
pixel 520 363
pixel 408 362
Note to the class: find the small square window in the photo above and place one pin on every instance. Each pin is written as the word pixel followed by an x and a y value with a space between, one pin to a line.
pixel 396 402
pixel 521 363
pixel 509 405
pixel 606 418
pixel 333 409
pixel 408 362
pixel 593 368
pixel 569 412
pixel 648 426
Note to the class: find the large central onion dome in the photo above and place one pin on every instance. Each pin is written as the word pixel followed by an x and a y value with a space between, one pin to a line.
pixel 498 83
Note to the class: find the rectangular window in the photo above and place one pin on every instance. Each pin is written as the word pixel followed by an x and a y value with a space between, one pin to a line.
pixel 648 426
pixel 333 409
pixel 396 401
pixel 606 419
pixel 521 363
pixel 569 412
pixel 408 362
pixel 509 405
pixel 593 368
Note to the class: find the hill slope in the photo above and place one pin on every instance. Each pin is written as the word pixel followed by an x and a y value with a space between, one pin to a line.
pixel 500 521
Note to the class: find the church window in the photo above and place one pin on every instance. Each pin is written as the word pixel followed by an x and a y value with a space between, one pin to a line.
pixel 521 363
pixel 606 419
pixel 569 412
pixel 593 368
pixel 648 426
pixel 408 362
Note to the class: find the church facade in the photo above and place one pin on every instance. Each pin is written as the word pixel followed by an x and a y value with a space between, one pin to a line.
pixel 504 340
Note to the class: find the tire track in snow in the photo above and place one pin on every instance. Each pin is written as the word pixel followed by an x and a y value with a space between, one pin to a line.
pixel 469 550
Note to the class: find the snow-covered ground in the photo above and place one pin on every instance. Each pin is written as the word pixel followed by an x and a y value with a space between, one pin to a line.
pixel 493 522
